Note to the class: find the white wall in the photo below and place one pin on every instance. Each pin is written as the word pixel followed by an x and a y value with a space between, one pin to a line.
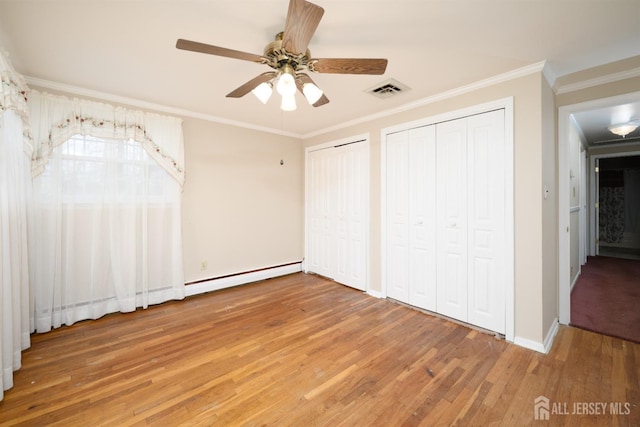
pixel 242 209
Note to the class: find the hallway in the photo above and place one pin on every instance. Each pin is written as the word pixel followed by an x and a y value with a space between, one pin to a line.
pixel 606 297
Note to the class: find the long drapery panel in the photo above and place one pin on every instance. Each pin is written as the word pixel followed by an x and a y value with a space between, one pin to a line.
pixel 107 210
pixel 15 181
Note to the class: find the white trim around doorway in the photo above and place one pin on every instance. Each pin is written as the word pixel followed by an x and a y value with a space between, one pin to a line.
pixel 564 237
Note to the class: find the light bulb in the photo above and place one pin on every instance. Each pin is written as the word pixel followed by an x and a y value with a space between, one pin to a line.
pixel 263 91
pixel 311 92
pixel 288 102
pixel 286 84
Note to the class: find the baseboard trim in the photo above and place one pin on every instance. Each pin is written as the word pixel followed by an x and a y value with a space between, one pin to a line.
pixel 540 347
pixel 375 294
pixel 215 284
pixel 575 280
pixel 530 344
pixel 551 335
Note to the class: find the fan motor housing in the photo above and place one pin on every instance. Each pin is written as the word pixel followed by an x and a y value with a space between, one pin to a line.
pixel 276 56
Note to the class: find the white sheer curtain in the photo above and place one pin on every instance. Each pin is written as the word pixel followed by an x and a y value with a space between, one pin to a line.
pixel 107 210
pixel 15 180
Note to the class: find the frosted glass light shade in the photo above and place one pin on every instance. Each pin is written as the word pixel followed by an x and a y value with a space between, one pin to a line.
pixel 288 103
pixel 263 91
pixel 311 92
pixel 286 84
pixel 623 129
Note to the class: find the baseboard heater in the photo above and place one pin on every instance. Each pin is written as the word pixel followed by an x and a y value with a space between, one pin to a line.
pixel 221 282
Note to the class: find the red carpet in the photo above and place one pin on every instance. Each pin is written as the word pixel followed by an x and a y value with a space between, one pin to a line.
pixel 606 298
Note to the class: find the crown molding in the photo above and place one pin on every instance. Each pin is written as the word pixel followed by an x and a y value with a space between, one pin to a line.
pixel 549 75
pixel 500 78
pixel 480 84
pixel 62 87
pixel 597 81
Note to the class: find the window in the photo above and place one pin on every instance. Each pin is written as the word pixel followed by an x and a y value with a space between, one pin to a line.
pixel 108 224
pixel 88 167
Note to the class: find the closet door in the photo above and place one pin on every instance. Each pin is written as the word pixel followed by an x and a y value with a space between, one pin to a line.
pixel 451 194
pixel 321 205
pixel 411 240
pixel 445 218
pixel 337 209
pixel 485 212
pixel 422 217
pixel 397 196
pixel 350 162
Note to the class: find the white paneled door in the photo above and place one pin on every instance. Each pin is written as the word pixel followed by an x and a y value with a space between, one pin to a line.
pixel 321 231
pixel 411 240
pixel 351 214
pixel 397 194
pixel 486 218
pixel 337 210
pixel 422 217
pixel 452 218
pixel 445 218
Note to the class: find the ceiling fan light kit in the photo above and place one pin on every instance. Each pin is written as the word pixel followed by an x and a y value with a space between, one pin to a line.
pixel 624 129
pixel 289 57
pixel 288 102
pixel 286 82
pixel 311 92
pixel 263 91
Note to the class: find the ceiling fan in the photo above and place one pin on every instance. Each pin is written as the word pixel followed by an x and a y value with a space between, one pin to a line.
pixel 289 57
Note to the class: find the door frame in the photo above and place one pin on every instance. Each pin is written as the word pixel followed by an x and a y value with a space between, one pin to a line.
pixel 594 212
pixel 594 229
pixel 505 104
pixel 363 139
pixel 564 236
pixel 584 206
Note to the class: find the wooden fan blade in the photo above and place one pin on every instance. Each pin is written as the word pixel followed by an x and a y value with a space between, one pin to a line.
pixel 215 50
pixel 251 84
pixel 301 79
pixel 348 66
pixel 302 20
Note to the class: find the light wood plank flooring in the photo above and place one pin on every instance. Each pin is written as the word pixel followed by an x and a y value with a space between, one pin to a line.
pixel 304 351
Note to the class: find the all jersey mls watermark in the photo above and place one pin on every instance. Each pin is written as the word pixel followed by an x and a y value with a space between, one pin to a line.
pixel 543 408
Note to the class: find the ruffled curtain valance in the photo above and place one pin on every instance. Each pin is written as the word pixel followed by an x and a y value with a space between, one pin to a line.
pixel 13 96
pixel 54 119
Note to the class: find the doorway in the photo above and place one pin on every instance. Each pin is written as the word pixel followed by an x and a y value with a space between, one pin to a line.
pixel 598 115
pixel 618 207
pixel 607 292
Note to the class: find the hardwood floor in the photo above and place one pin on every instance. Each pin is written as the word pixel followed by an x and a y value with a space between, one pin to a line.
pixel 304 351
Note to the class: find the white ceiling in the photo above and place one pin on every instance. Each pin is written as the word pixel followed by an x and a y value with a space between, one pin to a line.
pixel 127 48
pixel 594 122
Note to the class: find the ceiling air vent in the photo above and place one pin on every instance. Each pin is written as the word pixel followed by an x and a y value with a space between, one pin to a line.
pixel 388 89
